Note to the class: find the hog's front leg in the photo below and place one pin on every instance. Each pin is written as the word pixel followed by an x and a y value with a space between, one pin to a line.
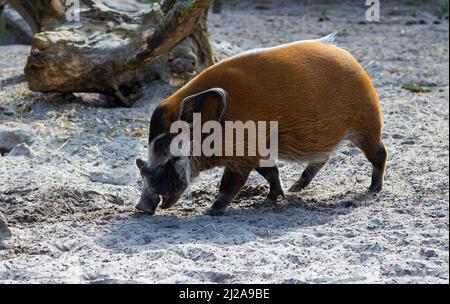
pixel 232 182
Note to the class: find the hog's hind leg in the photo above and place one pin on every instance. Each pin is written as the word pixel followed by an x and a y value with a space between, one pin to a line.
pixel 378 159
pixel 308 174
pixel 376 153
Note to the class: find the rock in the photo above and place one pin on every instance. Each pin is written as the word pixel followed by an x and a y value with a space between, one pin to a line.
pixel 224 49
pixel 294 259
pixel 112 178
pixel 4 230
pixel 397 136
pixel 429 253
pixel 374 224
pixel 7 110
pixel 153 94
pixel 408 142
pixel 10 139
pixel 374 247
pixel 21 150
pixel 198 254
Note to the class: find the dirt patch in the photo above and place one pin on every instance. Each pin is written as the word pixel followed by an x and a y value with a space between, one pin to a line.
pixel 27 206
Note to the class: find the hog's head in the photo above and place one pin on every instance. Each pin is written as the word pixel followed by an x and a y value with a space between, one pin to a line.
pixel 166 176
pixel 164 182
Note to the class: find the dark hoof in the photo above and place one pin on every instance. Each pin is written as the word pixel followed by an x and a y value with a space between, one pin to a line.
pixel 298 186
pixel 275 195
pixel 374 189
pixel 215 211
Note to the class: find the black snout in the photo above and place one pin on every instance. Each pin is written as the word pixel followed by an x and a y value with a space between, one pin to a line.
pixel 148 205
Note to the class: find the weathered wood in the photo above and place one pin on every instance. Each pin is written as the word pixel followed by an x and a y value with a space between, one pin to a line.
pixel 38 13
pixel 167 5
pixel 4 35
pixel 13 30
pixel 25 9
pixel 114 52
pixel 179 23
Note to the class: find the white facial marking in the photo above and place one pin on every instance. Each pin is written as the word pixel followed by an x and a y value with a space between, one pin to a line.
pixel 151 155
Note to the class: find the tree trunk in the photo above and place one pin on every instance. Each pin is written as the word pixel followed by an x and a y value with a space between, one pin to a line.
pixel 114 52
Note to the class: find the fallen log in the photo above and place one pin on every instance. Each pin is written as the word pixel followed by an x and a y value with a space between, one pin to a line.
pixel 113 52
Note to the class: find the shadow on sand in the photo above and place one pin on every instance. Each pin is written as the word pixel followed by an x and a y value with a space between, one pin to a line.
pixel 269 221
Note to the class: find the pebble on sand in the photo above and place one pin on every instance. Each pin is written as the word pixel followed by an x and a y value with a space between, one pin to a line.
pixel 10 139
pixel 4 230
pixel 21 150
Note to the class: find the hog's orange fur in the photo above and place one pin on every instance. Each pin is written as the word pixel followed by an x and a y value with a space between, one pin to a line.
pixel 318 93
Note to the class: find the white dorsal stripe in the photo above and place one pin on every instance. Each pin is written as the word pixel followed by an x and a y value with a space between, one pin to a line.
pixel 329 39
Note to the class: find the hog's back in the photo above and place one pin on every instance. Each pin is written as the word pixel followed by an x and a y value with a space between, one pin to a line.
pixel 317 92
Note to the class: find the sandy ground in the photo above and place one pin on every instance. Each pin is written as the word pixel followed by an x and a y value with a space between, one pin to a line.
pixel 68 193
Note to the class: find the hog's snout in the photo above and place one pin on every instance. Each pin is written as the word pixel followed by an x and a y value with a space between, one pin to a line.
pixel 148 205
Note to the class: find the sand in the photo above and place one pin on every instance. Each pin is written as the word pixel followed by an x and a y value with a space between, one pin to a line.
pixel 68 191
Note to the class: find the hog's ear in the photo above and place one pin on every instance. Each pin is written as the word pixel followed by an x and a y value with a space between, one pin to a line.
pixel 143 168
pixel 212 104
pixel 140 163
